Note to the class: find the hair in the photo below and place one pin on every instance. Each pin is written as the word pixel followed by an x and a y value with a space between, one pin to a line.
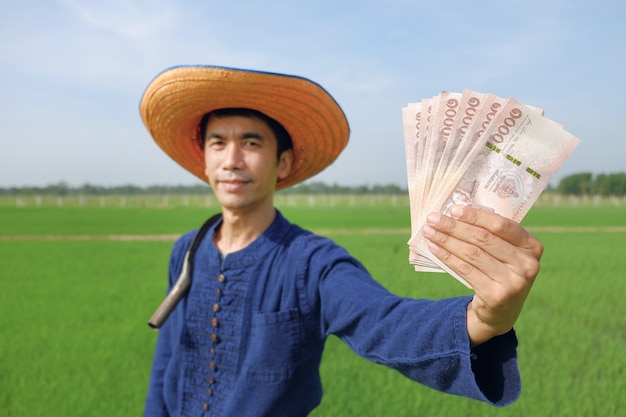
pixel 283 139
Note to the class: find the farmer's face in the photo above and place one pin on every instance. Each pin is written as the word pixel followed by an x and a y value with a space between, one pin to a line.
pixel 241 165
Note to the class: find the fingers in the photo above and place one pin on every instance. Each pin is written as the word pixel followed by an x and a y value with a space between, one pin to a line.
pixel 476 239
pixel 473 264
pixel 507 229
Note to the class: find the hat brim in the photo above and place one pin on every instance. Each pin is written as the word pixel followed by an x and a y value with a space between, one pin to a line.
pixel 175 101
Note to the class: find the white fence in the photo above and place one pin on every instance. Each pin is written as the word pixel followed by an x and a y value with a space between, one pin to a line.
pixel 281 200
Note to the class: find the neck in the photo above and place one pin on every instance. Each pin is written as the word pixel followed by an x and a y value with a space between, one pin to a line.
pixel 239 229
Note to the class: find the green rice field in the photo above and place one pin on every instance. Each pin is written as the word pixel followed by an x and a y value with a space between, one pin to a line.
pixel 80 278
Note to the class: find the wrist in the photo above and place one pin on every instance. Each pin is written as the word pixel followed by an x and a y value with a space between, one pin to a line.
pixel 478 331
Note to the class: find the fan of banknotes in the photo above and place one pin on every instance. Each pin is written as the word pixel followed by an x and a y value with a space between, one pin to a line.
pixel 480 150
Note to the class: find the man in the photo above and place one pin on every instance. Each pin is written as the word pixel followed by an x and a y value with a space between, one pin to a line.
pixel 247 338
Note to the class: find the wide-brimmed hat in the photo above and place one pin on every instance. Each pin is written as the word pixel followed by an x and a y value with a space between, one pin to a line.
pixel 175 101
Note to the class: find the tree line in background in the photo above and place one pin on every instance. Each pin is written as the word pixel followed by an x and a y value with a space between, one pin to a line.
pixel 577 184
pixel 587 184
pixel 63 189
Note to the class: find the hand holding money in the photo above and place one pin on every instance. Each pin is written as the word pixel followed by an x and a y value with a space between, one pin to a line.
pixel 481 151
pixel 496 256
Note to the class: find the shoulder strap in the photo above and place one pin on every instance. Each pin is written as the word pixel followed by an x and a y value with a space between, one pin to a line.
pixel 193 247
pixel 184 279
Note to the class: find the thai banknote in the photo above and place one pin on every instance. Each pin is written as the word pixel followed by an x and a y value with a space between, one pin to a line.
pixel 498 155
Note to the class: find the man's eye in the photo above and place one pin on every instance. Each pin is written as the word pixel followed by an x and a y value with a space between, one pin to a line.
pixel 215 143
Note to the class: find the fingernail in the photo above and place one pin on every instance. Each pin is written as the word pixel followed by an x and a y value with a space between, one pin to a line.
pixel 456 211
pixel 434 248
pixel 428 231
pixel 433 218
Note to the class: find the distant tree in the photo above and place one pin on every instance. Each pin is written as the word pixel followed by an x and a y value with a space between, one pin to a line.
pixel 88 189
pixel 615 184
pixel 602 185
pixel 620 180
pixel 387 189
pixel 609 184
pixel 576 184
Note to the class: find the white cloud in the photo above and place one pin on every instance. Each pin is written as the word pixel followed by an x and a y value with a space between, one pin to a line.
pixel 131 20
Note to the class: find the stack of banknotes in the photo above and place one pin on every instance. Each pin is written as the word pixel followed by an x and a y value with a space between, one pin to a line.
pixel 479 150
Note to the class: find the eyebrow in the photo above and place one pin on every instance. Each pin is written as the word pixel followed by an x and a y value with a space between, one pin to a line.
pixel 245 135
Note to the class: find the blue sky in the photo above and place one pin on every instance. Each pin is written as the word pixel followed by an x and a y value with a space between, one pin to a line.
pixel 72 73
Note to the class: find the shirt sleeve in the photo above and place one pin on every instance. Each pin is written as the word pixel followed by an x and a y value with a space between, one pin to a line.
pixel 426 340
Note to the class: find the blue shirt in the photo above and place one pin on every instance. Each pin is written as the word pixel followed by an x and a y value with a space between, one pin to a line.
pixel 247 339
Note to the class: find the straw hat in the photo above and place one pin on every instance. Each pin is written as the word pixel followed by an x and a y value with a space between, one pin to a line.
pixel 175 101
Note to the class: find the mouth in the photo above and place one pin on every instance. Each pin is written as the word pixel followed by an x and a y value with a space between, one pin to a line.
pixel 233 184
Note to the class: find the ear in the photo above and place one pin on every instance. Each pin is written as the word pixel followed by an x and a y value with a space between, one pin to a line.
pixel 284 163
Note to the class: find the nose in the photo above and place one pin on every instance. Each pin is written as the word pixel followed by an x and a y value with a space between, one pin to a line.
pixel 233 156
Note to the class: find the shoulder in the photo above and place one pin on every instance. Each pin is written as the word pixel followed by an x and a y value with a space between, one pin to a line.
pixel 316 254
pixel 307 242
pixel 185 241
pixel 182 243
pixel 178 251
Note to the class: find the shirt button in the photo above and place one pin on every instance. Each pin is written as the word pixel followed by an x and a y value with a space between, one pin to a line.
pixel 205 407
pixel 214 338
pixel 214 322
pixel 212 350
pixel 221 278
pixel 209 392
pixel 216 307
pixel 211 380
pixel 212 365
pixel 218 292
